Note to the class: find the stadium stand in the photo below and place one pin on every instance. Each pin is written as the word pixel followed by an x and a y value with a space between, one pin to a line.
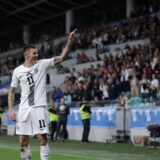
pixel 114 64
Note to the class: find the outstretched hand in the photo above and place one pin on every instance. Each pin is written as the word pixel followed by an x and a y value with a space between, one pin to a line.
pixel 72 35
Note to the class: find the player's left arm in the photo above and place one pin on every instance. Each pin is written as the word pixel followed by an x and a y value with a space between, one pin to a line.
pixel 67 48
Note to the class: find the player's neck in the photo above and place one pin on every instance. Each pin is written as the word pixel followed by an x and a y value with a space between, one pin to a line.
pixel 28 64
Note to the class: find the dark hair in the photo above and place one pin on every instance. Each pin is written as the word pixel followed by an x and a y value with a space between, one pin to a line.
pixel 25 48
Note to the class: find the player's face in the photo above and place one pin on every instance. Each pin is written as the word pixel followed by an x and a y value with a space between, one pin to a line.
pixel 33 55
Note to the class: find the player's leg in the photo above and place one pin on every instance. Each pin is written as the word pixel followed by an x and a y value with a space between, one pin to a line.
pixel 25 149
pixel 44 147
pixel 23 129
pixel 40 128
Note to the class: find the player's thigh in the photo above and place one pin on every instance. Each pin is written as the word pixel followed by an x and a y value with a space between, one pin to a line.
pixel 23 127
pixel 39 118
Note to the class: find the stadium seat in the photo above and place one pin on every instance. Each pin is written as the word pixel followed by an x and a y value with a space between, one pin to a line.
pixel 136 101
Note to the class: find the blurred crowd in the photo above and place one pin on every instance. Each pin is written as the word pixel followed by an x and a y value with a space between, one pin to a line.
pixel 96 36
pixel 134 69
pixel 140 8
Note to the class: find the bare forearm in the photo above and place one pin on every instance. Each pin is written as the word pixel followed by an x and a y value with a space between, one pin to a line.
pixel 64 52
pixel 66 49
pixel 11 97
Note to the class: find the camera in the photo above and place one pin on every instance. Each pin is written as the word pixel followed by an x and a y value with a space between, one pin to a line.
pixel 145 86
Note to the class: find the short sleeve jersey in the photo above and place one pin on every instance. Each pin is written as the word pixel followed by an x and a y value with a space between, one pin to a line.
pixel 32 82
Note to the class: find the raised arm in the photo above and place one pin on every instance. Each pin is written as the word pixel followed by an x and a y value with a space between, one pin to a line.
pixel 66 49
pixel 11 97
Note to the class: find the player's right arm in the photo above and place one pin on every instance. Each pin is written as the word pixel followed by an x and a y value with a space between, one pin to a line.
pixel 11 97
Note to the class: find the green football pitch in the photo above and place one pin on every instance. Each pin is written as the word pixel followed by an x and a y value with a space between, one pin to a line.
pixel 74 150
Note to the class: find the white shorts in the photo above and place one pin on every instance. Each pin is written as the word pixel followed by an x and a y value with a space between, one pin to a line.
pixel 31 121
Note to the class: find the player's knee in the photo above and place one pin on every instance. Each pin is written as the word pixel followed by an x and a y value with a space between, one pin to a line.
pixel 23 141
pixel 42 139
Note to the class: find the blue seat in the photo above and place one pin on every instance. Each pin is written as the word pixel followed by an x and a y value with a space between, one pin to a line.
pixel 135 101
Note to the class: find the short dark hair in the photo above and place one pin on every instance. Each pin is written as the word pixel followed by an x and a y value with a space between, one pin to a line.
pixel 25 48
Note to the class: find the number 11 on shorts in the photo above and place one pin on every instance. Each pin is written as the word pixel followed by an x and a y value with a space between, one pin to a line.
pixel 42 124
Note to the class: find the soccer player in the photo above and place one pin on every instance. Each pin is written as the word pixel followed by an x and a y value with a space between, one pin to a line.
pixel 32 115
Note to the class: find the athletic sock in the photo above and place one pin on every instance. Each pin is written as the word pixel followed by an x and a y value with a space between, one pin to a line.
pixel 26 153
pixel 44 152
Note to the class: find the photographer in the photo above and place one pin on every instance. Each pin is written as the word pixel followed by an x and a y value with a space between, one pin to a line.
pixel 144 88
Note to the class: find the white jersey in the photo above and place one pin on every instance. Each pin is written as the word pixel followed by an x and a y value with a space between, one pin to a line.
pixel 32 82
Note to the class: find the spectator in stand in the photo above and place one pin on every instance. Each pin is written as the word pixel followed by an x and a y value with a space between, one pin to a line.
pixel 72 78
pixel 82 58
pixel 74 93
pixel 125 86
pixel 74 72
pixel 95 89
pixel 127 74
pixel 96 102
pixel 154 87
pixel 157 69
pixel 67 96
pixel 103 87
pixel 86 90
pixel 62 70
pixel 155 58
pixel 144 88
pixel 111 89
pixel 80 90
pixel 66 82
pixel 123 99
pixel 134 83
pixel 149 70
pixel 59 94
pixel 53 94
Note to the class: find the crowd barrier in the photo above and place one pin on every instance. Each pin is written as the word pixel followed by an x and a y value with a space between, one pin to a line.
pixel 140 118
pixel 105 122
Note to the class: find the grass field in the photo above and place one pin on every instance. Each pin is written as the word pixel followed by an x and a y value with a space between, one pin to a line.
pixel 74 150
